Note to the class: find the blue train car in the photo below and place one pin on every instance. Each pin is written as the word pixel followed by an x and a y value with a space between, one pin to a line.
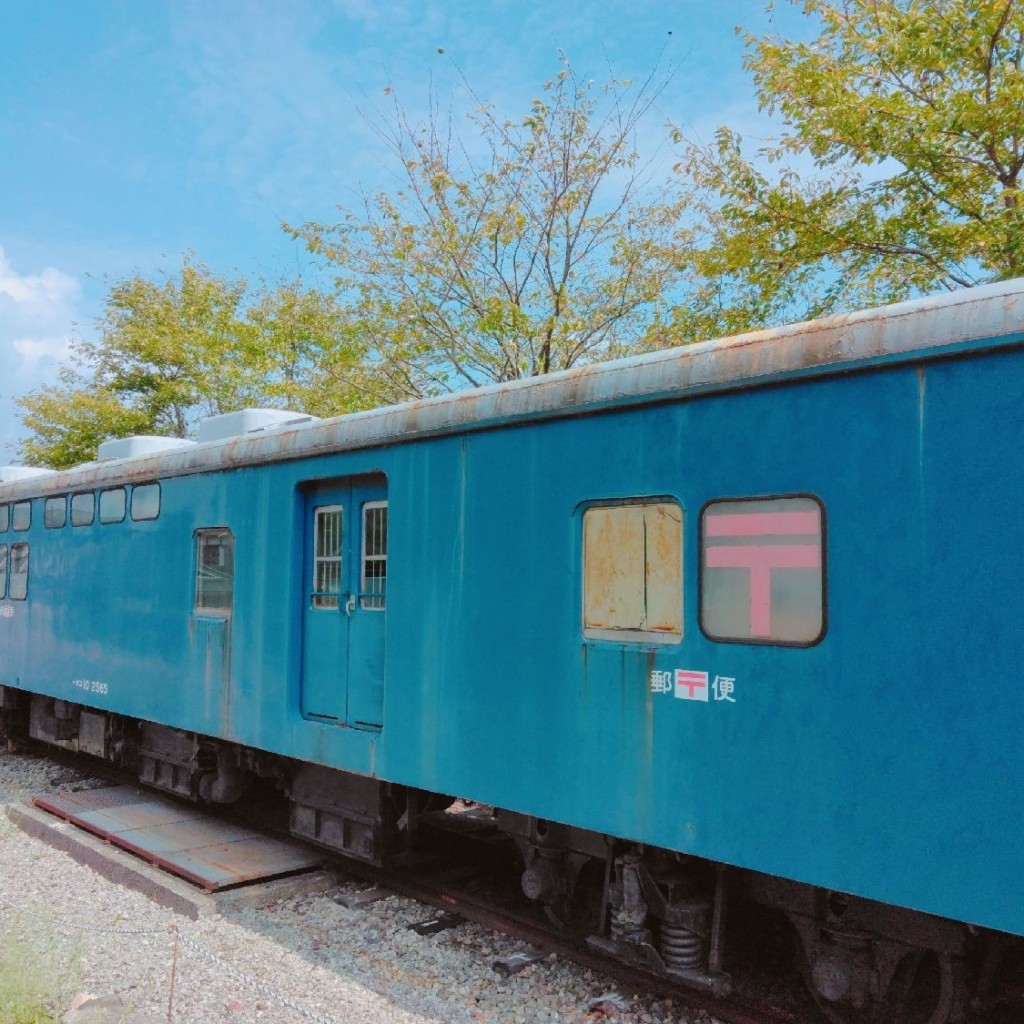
pixel 738 621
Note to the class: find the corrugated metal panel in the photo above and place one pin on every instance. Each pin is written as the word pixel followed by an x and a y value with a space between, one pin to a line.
pixel 921 329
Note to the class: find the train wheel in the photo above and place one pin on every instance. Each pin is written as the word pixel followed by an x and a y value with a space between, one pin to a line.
pixel 579 914
pixel 924 990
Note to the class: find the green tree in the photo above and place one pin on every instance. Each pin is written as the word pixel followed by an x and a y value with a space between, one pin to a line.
pixel 530 246
pixel 190 345
pixel 67 421
pixel 310 353
pixel 897 172
pixel 175 349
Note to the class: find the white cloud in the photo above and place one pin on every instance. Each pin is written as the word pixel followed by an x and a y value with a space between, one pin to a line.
pixel 34 294
pixel 38 304
pixel 36 351
pixel 37 311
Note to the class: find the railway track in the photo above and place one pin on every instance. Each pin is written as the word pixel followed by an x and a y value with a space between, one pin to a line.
pixel 474 884
pixel 463 903
pixel 465 868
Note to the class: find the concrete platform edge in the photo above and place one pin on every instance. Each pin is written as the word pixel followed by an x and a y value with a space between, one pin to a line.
pixel 112 863
pixel 162 888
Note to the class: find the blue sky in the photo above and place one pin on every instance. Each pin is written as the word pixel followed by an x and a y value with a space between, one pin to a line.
pixel 132 132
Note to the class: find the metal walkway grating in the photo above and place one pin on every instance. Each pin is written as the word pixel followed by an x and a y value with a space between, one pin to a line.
pixel 183 840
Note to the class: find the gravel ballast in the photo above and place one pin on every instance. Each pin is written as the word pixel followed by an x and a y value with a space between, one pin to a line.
pixel 299 958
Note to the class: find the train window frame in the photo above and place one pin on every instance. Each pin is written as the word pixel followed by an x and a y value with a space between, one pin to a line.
pixel 76 513
pixel 5 518
pixel 109 520
pixel 596 600
pixel 202 537
pixel 21 507
pixel 146 489
pixel 373 600
pixel 3 571
pixel 55 512
pixel 327 562
pixel 21 593
pixel 702 570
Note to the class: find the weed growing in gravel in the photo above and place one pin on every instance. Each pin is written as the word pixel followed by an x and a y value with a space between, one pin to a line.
pixel 35 970
pixel 28 990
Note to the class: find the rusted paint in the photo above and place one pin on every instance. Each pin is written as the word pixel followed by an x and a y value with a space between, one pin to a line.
pixel 989 316
pixel 613 547
pixel 632 568
pixel 664 566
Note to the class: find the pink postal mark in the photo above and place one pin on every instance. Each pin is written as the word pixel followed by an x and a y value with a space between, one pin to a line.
pixel 691 685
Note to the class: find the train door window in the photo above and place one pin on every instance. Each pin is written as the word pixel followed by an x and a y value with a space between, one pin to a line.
pixel 215 572
pixel 112 505
pixel 3 570
pixel 762 571
pixel 19 572
pixel 374 572
pixel 633 572
pixel 145 502
pixel 83 509
pixel 5 517
pixel 327 556
pixel 21 515
pixel 55 513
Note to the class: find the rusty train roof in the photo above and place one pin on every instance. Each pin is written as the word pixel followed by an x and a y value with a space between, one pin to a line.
pixel 966 320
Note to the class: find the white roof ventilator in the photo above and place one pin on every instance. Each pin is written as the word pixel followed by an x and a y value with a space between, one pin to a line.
pixel 248 421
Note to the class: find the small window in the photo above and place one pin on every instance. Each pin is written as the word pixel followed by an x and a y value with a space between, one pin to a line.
pixel 112 505
pixel 5 517
pixel 19 572
pixel 3 570
pixel 633 572
pixel 55 513
pixel 215 571
pixel 145 502
pixel 83 509
pixel 327 556
pixel 374 577
pixel 762 571
pixel 21 515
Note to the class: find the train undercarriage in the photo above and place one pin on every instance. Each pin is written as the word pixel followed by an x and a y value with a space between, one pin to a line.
pixel 672 914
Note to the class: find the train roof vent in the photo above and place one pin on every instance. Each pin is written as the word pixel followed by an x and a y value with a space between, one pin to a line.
pixel 8 474
pixel 246 421
pixel 133 447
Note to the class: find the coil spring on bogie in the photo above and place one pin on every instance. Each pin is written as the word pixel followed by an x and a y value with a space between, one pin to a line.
pixel 681 948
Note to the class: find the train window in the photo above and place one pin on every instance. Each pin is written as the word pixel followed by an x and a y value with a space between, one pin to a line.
pixel 327 557
pixel 55 513
pixel 21 515
pixel 633 572
pixel 762 571
pixel 145 501
pixel 83 509
pixel 374 575
pixel 3 570
pixel 19 572
pixel 112 505
pixel 5 517
pixel 215 571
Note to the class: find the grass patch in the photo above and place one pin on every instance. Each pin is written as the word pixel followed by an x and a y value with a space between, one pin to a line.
pixel 29 992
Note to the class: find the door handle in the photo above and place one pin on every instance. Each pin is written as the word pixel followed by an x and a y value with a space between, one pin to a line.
pixel 350 604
